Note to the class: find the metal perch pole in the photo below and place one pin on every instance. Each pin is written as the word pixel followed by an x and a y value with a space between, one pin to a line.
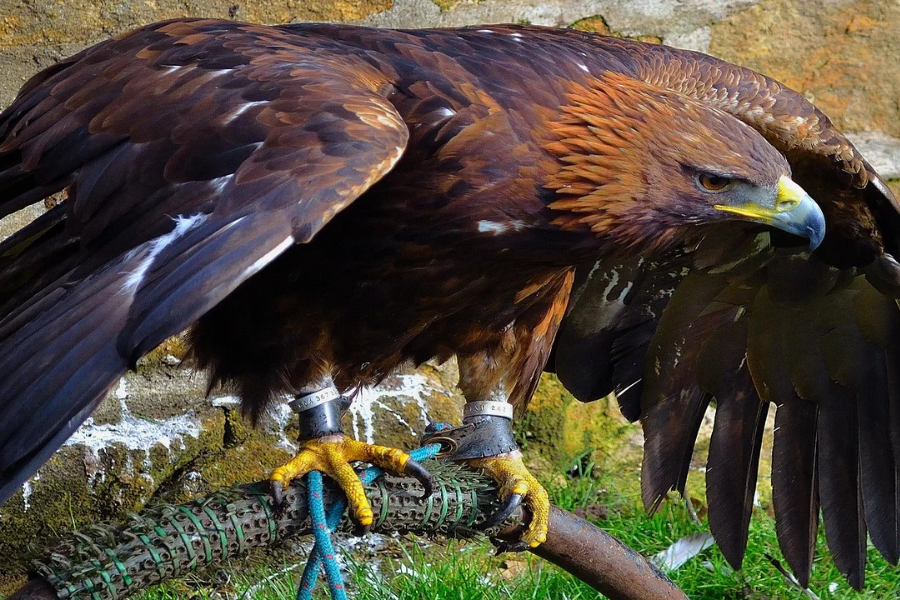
pixel 163 542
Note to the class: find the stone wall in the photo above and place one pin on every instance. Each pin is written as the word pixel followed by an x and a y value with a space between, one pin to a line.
pixel 158 435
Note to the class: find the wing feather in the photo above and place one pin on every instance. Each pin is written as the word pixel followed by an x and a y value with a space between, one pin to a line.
pixel 670 385
pixel 736 441
pixel 795 495
pixel 822 341
pixel 169 210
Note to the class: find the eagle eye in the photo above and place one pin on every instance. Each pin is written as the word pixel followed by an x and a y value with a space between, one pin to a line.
pixel 713 183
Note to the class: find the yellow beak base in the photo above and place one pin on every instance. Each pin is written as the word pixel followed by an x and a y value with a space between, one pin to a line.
pixel 794 211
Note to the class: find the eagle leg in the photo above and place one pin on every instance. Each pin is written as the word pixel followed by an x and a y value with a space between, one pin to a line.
pixel 485 441
pixel 325 448
pixel 517 485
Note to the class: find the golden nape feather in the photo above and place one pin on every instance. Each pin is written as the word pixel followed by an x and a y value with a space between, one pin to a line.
pixel 320 200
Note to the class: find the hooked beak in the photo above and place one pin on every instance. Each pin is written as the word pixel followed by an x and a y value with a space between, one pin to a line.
pixel 794 212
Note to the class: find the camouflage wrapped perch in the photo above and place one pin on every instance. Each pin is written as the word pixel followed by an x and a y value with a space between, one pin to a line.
pixel 168 541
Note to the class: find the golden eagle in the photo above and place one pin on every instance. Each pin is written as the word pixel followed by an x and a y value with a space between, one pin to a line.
pixel 322 201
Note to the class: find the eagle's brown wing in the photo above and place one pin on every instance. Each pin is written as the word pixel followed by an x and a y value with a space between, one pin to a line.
pixel 183 183
pixel 742 321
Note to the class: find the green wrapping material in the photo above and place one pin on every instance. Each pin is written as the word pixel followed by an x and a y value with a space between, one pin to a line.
pixel 114 561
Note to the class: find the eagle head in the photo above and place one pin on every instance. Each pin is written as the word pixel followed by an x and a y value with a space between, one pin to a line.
pixel 641 167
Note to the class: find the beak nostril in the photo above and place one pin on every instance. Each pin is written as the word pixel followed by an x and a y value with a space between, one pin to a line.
pixel 786 205
pixel 788 196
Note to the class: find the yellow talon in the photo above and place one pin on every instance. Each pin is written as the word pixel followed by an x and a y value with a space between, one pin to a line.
pixel 332 456
pixel 513 477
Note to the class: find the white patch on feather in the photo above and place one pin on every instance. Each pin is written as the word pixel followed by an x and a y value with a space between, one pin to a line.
pixel 182 226
pixel 583 68
pixel 239 110
pixel 594 269
pixel 613 282
pixel 218 184
pixel 269 256
pixel 492 227
pixel 760 243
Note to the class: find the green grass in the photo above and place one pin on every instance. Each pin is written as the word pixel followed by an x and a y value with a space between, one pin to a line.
pixel 453 572
pixel 464 572
pixel 416 570
pixel 708 576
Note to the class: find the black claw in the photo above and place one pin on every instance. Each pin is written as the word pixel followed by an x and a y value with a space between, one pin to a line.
pixel 504 512
pixel 360 530
pixel 416 470
pixel 277 495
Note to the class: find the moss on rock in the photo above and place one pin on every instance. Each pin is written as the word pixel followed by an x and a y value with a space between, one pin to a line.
pixel 81 485
pixel 556 430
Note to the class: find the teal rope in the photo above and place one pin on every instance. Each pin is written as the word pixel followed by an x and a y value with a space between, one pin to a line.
pixel 323 550
pixel 324 524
